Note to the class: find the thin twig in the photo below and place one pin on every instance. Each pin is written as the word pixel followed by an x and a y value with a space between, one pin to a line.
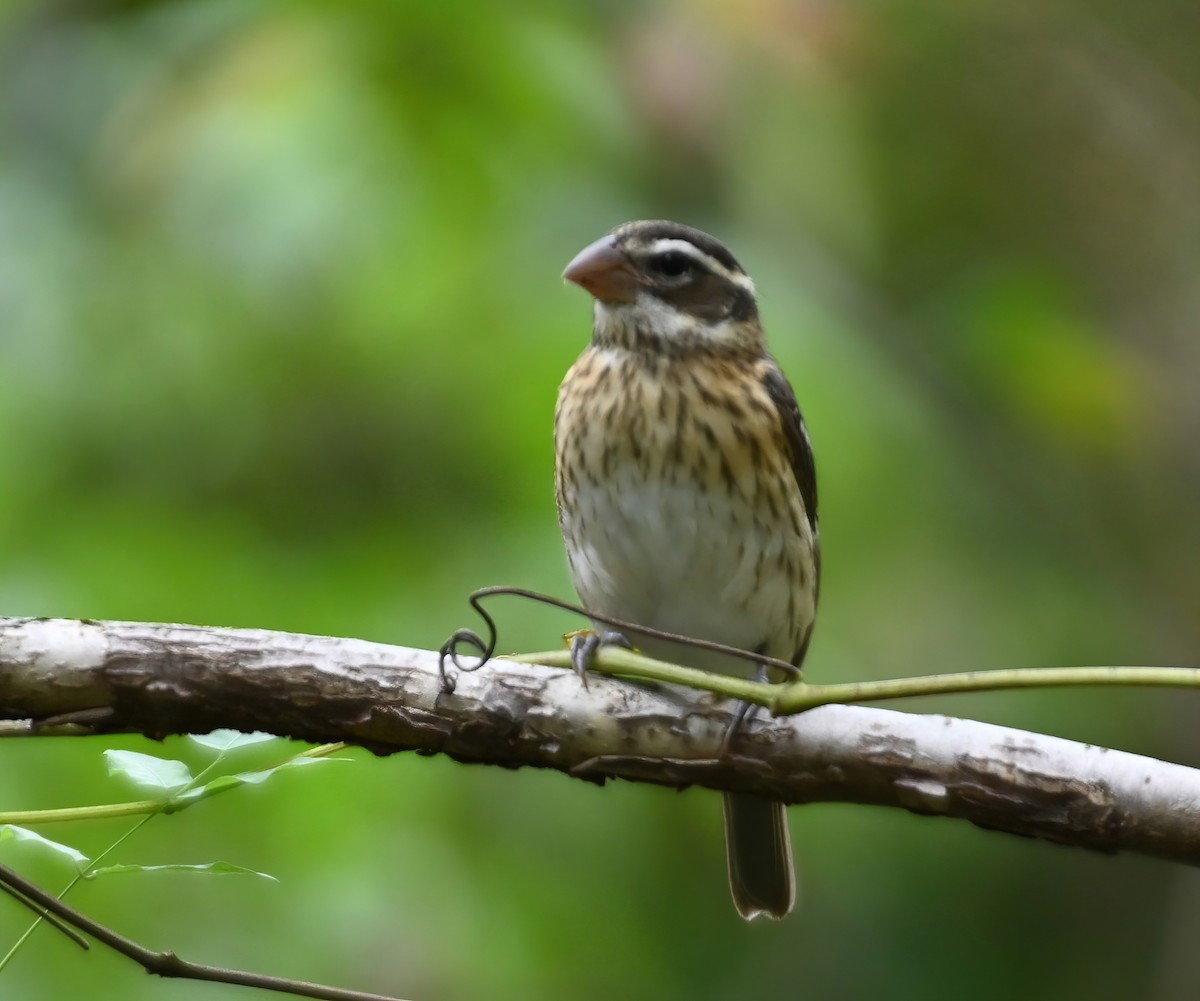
pixel 45 915
pixel 167 964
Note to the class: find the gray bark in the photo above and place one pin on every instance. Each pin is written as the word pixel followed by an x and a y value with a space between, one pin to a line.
pixel 66 675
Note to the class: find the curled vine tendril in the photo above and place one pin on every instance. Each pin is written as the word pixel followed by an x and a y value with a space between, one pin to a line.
pixel 484 649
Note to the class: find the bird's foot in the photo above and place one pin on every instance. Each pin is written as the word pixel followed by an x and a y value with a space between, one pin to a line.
pixel 586 642
pixel 744 711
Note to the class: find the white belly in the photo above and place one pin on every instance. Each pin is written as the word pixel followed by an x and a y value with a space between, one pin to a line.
pixel 676 558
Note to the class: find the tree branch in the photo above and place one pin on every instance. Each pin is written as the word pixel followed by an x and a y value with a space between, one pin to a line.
pixel 103 677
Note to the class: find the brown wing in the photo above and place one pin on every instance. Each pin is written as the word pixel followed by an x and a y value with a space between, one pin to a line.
pixel 804 468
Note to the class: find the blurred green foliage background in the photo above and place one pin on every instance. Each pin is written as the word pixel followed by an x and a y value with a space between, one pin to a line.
pixel 280 333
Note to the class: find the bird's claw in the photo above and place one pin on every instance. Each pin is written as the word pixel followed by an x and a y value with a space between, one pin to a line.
pixel 585 644
pixel 744 711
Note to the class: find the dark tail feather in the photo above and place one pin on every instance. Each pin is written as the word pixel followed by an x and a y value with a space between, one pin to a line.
pixel 759 850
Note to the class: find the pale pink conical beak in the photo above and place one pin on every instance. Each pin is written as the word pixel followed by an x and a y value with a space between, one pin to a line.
pixel 605 272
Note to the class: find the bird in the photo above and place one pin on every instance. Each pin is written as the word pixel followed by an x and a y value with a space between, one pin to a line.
pixel 686 486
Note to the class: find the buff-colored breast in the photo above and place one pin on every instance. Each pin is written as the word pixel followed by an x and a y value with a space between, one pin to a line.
pixel 678 504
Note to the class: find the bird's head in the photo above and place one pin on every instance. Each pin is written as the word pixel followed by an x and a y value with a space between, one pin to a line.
pixel 663 287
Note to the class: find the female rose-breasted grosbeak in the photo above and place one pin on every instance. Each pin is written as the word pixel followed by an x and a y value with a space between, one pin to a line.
pixel 686 486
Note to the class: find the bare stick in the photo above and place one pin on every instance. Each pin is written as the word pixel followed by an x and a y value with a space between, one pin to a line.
pixel 167 964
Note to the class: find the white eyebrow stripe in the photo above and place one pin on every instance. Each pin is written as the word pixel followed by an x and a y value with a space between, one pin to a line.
pixel 667 244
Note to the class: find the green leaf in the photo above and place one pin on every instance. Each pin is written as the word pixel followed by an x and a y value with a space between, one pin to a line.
pixel 222 783
pixel 258 777
pixel 223 741
pixel 11 832
pixel 211 868
pixel 145 771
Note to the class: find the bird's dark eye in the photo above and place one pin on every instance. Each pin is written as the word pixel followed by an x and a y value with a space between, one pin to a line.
pixel 671 263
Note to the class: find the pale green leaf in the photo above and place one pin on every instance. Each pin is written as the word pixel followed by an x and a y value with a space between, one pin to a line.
pixel 163 775
pixel 258 777
pixel 222 783
pixel 210 868
pixel 223 741
pixel 11 832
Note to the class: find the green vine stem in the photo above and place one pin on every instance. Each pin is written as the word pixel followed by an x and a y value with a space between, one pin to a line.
pixel 24 818
pixel 149 807
pixel 796 696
